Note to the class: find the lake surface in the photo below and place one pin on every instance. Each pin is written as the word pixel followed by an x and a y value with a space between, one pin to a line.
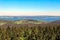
pixel 42 18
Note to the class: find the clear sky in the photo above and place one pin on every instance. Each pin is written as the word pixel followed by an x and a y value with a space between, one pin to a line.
pixel 29 7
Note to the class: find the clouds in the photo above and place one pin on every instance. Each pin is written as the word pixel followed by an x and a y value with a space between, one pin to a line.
pixel 18 13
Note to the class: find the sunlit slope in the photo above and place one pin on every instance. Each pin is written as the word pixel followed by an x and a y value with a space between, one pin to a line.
pixel 28 22
pixel 3 22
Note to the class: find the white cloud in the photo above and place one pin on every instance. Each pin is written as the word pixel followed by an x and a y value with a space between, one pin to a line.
pixel 17 13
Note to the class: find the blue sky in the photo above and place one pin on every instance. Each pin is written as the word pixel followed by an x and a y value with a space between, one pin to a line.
pixel 30 5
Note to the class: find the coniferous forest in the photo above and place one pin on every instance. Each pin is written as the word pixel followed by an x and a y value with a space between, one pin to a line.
pixel 30 32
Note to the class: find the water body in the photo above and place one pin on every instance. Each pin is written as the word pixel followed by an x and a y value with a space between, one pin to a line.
pixel 43 18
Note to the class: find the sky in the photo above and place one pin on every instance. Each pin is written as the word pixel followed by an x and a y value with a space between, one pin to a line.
pixel 29 7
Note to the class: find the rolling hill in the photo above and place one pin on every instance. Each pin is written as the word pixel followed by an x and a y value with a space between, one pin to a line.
pixel 10 22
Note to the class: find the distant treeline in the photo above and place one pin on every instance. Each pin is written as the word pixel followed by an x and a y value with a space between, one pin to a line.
pixel 36 32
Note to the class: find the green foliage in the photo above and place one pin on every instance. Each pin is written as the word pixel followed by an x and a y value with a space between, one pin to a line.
pixel 30 33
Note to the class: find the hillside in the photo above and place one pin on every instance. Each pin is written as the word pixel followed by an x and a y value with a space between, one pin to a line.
pixel 5 23
pixel 29 22
pixel 22 21
pixel 56 22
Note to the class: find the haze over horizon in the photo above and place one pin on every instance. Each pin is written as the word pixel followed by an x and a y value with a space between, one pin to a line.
pixel 29 7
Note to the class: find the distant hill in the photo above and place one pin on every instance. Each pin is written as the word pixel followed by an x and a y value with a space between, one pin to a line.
pixel 10 22
pixel 29 22
pixel 3 22
pixel 45 18
pixel 56 22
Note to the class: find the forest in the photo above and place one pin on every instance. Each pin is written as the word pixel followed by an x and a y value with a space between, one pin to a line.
pixel 30 32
